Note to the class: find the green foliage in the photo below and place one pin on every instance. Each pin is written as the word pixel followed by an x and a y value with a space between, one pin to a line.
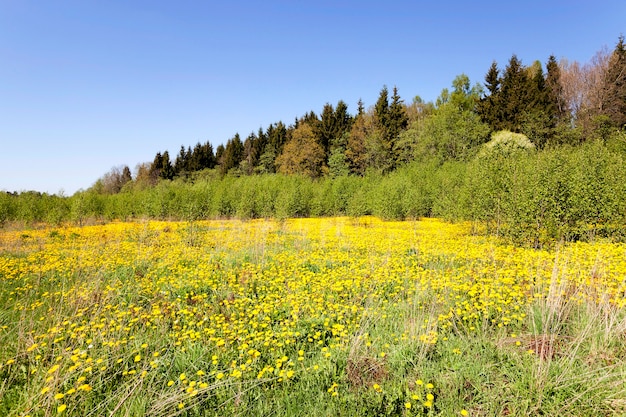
pixel 338 163
pixel 535 198
pixel 449 134
pixel 532 197
pixel 506 144
pixel 7 207
pixel 302 155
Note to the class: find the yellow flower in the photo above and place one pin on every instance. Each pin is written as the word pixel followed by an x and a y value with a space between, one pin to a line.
pixel 61 408
pixel 464 412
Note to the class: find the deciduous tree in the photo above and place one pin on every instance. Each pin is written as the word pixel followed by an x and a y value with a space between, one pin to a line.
pixel 302 154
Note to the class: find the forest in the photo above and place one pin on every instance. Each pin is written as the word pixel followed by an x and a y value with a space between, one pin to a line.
pixel 531 153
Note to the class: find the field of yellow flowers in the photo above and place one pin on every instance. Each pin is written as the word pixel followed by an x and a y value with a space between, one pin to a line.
pixel 335 316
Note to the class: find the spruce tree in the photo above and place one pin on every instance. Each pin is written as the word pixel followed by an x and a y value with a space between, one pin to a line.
pixel 398 118
pixel 326 130
pixel 233 154
pixel 381 109
pixel 615 86
pixel 167 171
pixel 513 95
pixel 489 107
pixel 554 91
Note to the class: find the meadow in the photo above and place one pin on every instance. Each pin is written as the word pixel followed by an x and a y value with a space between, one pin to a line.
pixel 339 316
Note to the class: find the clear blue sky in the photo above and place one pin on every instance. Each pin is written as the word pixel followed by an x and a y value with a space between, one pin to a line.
pixel 86 85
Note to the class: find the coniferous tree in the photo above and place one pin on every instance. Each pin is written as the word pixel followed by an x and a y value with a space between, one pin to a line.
pixel 380 144
pixel 397 122
pixel 489 107
pixel 398 119
pixel 195 155
pixel 182 163
pixel 126 175
pixel 381 109
pixel 261 143
pixel 233 154
pixel 554 90
pixel 219 154
pixel 205 156
pixel 167 170
pixel 356 150
pixel 513 95
pixel 615 86
pixel 537 114
pixel 326 128
pixel 156 167
pixel 250 154
pixel 342 117
pixel 277 136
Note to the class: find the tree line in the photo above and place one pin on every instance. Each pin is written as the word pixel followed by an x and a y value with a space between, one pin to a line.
pixel 530 154
pixel 567 103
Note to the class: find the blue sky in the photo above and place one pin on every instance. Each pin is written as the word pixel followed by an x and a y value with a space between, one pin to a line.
pixel 86 85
